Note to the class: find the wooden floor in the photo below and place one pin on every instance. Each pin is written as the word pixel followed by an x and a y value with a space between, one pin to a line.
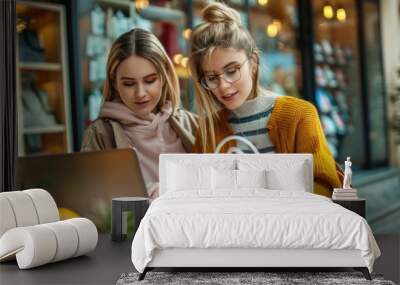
pixel 110 260
pixel 389 262
pixel 103 266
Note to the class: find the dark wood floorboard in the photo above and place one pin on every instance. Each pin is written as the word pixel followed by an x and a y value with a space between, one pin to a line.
pixel 110 260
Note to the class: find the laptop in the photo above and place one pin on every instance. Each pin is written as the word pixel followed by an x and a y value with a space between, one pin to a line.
pixel 84 182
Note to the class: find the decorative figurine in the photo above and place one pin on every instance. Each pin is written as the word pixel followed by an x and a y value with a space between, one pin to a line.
pixel 347 192
pixel 347 174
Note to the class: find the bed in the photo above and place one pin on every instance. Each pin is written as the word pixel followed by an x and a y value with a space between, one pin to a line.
pixel 247 210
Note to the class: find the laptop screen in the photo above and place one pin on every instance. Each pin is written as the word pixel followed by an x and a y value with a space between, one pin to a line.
pixel 84 183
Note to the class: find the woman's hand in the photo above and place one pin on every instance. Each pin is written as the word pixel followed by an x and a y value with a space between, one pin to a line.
pixel 152 191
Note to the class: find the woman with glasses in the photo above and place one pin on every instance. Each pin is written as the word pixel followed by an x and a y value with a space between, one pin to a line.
pixel 224 65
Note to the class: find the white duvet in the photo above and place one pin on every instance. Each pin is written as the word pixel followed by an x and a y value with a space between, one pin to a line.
pixel 253 218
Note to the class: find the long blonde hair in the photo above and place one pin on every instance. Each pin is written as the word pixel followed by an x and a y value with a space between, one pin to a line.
pixel 144 44
pixel 221 28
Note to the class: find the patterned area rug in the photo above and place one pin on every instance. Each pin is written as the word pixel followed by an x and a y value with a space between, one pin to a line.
pixel 230 278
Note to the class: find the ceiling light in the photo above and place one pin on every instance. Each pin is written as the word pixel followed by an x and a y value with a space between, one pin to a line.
pixel 328 11
pixel 341 14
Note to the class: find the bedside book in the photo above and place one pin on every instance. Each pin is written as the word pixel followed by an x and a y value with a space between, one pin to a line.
pixel 334 197
pixel 340 190
pixel 344 194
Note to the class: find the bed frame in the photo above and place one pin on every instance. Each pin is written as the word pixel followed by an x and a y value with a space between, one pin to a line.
pixel 246 258
pixel 243 259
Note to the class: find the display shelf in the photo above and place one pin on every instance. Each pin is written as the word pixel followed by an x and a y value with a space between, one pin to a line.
pixel 162 14
pixel 43 95
pixel 116 3
pixel 331 64
pixel 40 130
pixel 43 66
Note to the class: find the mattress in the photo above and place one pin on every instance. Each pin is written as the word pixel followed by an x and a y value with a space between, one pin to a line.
pixel 250 219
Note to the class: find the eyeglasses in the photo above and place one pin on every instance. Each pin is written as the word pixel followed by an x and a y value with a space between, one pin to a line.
pixel 230 75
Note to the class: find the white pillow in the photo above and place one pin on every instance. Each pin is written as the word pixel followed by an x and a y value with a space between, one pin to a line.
pixel 251 178
pixel 223 179
pixel 293 179
pixel 182 177
pixel 281 174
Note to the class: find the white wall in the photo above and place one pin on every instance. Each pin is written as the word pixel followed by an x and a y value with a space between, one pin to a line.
pixel 390 24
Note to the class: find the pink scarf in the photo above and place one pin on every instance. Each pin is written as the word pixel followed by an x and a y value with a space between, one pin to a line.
pixel 148 137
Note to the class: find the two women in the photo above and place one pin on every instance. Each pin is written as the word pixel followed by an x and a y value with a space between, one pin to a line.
pixel 141 97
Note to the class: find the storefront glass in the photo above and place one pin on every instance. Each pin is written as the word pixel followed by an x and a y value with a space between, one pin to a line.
pixel 338 93
pixel 274 26
pixel 375 83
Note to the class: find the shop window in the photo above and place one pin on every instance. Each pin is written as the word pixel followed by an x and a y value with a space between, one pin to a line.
pixel 338 94
pixel 274 26
pixel 378 129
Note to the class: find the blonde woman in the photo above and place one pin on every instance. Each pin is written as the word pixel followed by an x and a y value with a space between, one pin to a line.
pixel 224 65
pixel 141 105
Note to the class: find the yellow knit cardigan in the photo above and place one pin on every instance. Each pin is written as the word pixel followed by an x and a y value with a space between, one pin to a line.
pixel 294 127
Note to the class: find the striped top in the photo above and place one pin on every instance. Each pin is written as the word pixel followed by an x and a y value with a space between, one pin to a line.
pixel 294 127
pixel 250 121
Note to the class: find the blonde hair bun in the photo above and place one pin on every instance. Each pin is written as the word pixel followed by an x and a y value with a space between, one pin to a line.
pixel 220 13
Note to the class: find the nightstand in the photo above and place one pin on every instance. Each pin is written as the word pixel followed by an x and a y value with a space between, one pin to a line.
pixel 356 205
pixel 120 207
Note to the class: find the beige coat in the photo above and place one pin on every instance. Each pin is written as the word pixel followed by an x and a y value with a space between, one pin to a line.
pixel 105 133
